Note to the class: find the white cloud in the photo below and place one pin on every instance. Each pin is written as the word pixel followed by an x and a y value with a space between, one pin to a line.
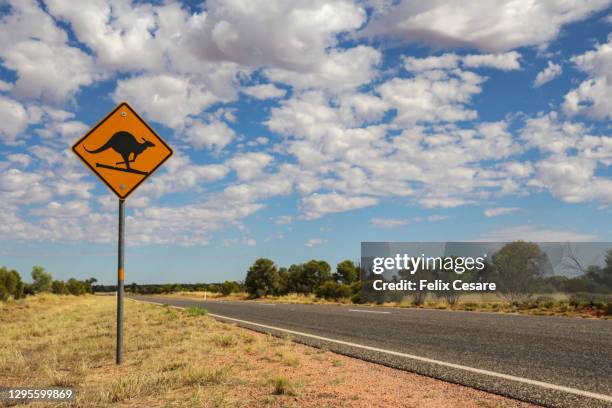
pixel 536 234
pixel 214 135
pixel 180 174
pixel 250 165
pixel 14 119
pixel 389 222
pixel 340 70
pixel 548 74
pixel 166 99
pixel 315 242
pixel 264 91
pixel 318 205
pixel 432 96
pixel 497 211
pixel 22 159
pixel 69 209
pixel 498 25
pixel 506 62
pixel 5 86
pixel 593 97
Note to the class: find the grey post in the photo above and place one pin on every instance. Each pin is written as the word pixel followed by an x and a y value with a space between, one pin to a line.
pixel 120 279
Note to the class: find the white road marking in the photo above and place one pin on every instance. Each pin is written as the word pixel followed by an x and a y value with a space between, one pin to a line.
pixel 555 387
pixel 368 311
pixel 267 304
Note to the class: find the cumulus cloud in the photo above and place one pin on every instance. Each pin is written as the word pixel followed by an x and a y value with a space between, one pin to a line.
pixel 497 211
pixel 318 205
pixel 593 97
pixel 165 98
pixel 495 26
pixel 14 119
pixel 312 242
pixel 264 91
pixel 548 74
pixel 34 47
pixel 432 96
pixel 250 165
pixel 214 135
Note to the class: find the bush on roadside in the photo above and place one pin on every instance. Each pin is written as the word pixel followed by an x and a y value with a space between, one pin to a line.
pixel 10 284
pixel 75 287
pixel 58 287
pixel 333 290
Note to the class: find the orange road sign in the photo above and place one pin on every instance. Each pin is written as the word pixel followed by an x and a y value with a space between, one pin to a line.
pixel 123 150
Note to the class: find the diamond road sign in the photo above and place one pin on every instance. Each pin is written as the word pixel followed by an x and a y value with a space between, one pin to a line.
pixel 122 150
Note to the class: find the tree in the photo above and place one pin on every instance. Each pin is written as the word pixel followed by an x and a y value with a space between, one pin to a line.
pixel 294 277
pixel 75 287
pixel 283 281
pixel 262 278
pixel 10 284
pixel 601 276
pixel 229 287
pixel 59 287
pixel 314 273
pixel 517 268
pixel 346 272
pixel 88 283
pixel 42 280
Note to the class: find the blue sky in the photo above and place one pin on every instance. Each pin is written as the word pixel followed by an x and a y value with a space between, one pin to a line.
pixel 302 128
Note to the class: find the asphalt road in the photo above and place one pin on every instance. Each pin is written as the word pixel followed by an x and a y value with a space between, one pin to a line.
pixel 552 361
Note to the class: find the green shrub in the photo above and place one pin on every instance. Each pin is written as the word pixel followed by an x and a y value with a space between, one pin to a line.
pixel 75 287
pixel 59 287
pixel 196 311
pixel 333 290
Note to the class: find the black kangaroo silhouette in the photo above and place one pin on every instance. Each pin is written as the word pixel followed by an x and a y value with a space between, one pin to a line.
pixel 125 144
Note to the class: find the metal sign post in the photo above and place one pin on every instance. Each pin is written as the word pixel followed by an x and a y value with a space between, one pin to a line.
pixel 120 279
pixel 122 135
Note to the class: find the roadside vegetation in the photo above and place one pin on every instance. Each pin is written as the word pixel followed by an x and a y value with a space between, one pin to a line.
pixel 13 287
pixel 184 358
pixel 517 268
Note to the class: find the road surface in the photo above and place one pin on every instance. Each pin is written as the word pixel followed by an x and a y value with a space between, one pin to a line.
pixel 552 361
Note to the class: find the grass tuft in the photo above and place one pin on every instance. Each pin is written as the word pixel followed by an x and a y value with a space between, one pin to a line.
pixel 196 311
pixel 282 386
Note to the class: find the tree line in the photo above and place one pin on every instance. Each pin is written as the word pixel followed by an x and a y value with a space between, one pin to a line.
pixel 518 269
pixel 315 276
pixel 12 286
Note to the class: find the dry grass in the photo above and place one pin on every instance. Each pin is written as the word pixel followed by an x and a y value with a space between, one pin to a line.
pixel 179 358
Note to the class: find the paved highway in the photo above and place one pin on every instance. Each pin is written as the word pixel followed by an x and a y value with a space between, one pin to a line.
pixel 552 361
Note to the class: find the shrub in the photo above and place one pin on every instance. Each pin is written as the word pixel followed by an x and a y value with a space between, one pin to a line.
pixel 229 287
pixel 196 311
pixel 59 287
pixel 10 284
pixel 75 287
pixel 333 290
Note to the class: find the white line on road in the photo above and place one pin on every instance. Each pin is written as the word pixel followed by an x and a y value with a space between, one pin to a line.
pixel 368 311
pixel 555 387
